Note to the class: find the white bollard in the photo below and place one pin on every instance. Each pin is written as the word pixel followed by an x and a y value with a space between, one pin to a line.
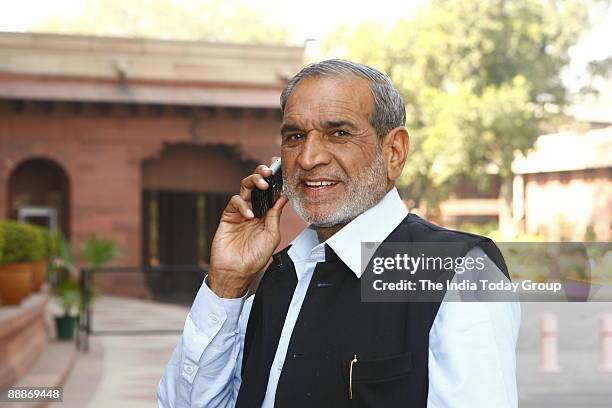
pixel 549 351
pixel 605 335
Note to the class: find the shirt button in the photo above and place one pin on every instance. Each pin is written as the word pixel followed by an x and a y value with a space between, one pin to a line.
pixel 279 367
pixel 188 369
pixel 213 317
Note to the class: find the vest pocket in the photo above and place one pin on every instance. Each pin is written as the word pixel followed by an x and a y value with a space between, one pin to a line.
pixel 381 369
pixel 380 382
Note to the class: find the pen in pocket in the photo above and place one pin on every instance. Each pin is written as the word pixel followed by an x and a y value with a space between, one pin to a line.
pixel 353 361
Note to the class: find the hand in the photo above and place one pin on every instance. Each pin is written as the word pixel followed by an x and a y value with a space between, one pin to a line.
pixel 243 244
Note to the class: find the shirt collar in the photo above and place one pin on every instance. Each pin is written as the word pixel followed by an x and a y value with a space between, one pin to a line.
pixel 373 225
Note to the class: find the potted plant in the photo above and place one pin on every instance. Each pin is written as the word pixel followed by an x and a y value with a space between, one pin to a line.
pixel 68 293
pixel 96 253
pixel 99 251
pixel 62 277
pixel 15 267
pixel 61 265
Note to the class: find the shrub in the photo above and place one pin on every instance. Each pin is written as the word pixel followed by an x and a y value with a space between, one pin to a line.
pixel 56 244
pixel 37 245
pixel 46 235
pixel 17 242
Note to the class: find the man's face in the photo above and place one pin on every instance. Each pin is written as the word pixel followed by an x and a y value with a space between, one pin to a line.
pixel 333 167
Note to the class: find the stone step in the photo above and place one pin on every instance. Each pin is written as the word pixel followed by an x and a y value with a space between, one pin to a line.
pixel 50 370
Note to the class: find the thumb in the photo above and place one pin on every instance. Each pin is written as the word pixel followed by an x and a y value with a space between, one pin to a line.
pixel 272 219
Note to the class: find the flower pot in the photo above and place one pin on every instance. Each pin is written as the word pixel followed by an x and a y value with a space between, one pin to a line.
pixel 15 282
pixel 66 326
pixel 577 290
pixel 39 273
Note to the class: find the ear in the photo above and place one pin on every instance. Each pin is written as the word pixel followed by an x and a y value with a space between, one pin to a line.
pixel 395 150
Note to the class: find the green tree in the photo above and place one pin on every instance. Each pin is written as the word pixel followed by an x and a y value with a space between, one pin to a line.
pixel 212 20
pixel 478 77
pixel 599 73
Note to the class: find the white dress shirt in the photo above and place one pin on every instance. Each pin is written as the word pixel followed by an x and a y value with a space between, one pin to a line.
pixel 471 345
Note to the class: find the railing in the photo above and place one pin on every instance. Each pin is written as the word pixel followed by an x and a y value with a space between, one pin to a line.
pixel 159 280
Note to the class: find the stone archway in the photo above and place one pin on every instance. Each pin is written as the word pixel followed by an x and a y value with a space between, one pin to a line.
pixel 40 183
pixel 185 190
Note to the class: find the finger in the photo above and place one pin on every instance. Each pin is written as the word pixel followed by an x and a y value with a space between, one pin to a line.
pixel 238 205
pixel 249 183
pixel 263 170
pixel 272 219
pixel 280 203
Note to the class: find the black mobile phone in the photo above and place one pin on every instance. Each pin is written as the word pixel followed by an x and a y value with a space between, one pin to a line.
pixel 263 200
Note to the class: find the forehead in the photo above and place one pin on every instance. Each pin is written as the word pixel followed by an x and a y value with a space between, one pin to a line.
pixel 325 97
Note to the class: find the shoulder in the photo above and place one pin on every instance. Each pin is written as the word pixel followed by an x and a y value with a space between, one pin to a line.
pixel 419 229
pixel 415 229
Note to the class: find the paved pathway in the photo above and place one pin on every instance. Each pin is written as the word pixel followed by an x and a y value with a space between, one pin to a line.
pixel 123 371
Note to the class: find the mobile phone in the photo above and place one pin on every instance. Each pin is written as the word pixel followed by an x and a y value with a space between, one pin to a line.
pixel 263 200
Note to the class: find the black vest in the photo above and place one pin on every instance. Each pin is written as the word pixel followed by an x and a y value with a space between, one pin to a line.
pixel 391 340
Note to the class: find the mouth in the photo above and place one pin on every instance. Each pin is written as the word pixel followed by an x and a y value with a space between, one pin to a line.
pixel 319 187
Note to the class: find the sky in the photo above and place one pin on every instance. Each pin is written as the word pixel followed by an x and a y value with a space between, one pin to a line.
pixel 316 18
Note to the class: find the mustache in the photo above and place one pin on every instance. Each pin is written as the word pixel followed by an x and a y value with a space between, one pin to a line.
pixel 299 175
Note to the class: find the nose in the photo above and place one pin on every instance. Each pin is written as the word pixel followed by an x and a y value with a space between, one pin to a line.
pixel 313 152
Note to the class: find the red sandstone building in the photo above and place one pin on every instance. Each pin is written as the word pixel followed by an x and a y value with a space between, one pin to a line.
pixel 144 141
pixel 140 140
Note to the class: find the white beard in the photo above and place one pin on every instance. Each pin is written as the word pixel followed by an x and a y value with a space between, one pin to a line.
pixel 363 192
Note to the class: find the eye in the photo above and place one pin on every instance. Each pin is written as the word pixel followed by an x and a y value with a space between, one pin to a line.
pixel 340 133
pixel 293 137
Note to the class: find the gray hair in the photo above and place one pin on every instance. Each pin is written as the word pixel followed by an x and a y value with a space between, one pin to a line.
pixel 389 110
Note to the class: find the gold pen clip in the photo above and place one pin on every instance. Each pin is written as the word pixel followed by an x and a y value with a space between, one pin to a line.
pixel 353 361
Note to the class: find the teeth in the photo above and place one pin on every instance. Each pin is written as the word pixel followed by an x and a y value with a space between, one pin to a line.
pixel 320 183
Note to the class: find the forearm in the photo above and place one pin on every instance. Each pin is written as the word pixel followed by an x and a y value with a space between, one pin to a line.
pixel 205 364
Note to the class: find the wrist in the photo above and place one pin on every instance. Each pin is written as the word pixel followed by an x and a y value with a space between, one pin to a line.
pixel 227 287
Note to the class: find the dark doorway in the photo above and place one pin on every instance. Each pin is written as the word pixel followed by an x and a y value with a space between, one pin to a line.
pixel 44 184
pixel 178 228
pixel 185 189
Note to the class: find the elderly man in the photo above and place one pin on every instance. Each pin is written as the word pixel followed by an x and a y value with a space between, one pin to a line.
pixel 305 338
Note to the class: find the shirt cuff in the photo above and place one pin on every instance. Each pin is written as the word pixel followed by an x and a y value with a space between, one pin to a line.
pixel 209 309
pixel 210 317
